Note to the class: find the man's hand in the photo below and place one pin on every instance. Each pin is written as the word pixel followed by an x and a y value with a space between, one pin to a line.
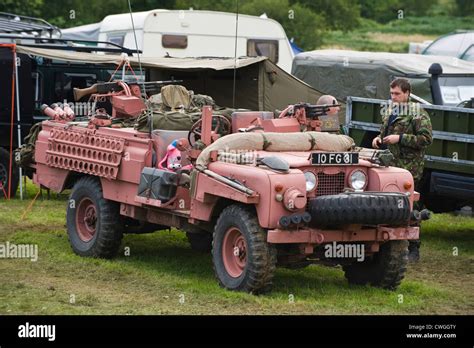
pixel 376 142
pixel 391 139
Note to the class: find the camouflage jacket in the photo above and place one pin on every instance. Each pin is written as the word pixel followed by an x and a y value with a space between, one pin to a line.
pixel 416 136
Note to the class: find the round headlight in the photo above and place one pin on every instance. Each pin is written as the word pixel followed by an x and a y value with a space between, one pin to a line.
pixel 358 180
pixel 311 181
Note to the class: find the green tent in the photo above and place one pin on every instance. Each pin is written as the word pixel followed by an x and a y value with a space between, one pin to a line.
pixel 259 84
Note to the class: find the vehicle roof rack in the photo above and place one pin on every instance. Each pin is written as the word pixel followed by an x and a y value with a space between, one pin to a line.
pixel 19 28
pixel 15 24
pixel 69 44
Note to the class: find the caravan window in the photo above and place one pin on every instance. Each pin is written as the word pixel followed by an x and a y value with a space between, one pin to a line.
pixel 268 48
pixel 116 39
pixel 174 41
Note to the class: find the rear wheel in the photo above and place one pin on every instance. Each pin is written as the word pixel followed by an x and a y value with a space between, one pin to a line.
pixel 93 222
pixel 243 260
pixel 4 174
pixel 385 269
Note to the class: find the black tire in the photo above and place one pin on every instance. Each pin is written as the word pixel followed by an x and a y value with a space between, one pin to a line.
pixel 4 173
pixel 201 242
pixel 385 269
pixel 261 257
pixel 360 208
pixel 86 196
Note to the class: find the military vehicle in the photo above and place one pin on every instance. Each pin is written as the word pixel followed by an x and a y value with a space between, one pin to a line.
pixel 257 191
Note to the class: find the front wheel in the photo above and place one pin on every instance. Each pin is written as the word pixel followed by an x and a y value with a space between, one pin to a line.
pixel 93 222
pixel 242 258
pixel 385 269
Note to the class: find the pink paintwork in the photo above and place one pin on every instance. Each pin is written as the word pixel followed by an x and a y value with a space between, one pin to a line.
pixel 127 106
pixel 351 234
pixel 234 252
pixel 118 155
pixel 132 158
pixel 56 113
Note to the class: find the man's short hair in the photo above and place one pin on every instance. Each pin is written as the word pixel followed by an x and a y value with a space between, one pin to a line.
pixel 326 100
pixel 403 84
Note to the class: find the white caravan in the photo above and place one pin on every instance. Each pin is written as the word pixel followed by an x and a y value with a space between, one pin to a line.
pixel 188 33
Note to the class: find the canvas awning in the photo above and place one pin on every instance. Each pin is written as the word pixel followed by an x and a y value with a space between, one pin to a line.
pixel 155 62
pixel 259 84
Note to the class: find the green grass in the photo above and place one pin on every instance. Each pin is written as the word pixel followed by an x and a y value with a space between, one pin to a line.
pixel 435 25
pixel 162 270
pixel 362 41
pixel 395 35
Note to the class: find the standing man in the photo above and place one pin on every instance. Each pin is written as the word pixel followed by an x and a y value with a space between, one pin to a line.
pixel 406 131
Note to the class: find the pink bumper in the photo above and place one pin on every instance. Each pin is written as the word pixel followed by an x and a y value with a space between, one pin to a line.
pixel 319 236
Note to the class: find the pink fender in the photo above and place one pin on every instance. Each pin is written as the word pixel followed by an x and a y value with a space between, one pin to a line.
pixel 263 181
pixel 392 179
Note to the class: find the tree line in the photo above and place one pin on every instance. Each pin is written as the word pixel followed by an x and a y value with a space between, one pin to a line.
pixel 304 20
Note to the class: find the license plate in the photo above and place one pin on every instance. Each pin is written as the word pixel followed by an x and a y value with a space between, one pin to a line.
pixel 334 158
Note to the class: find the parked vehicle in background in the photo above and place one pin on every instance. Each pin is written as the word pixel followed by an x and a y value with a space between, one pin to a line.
pixel 448 175
pixel 418 47
pixel 188 33
pixel 343 73
pixel 443 85
pixel 459 44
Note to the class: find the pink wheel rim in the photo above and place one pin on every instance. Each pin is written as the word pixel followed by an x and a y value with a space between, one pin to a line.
pixel 234 252
pixel 86 220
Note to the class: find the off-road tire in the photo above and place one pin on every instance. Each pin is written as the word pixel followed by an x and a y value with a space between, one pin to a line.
pixel 261 257
pixel 360 208
pixel 201 242
pixel 384 269
pixel 107 237
pixel 4 173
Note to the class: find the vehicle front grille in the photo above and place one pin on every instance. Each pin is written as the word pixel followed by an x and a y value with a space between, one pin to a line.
pixel 330 184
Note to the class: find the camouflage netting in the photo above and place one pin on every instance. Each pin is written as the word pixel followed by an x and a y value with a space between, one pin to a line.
pixel 306 141
pixel 25 155
pixel 176 108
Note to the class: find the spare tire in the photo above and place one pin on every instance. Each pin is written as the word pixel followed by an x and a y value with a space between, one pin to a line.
pixel 371 208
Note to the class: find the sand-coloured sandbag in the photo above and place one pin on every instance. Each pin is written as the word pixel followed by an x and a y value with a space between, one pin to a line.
pixel 304 141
